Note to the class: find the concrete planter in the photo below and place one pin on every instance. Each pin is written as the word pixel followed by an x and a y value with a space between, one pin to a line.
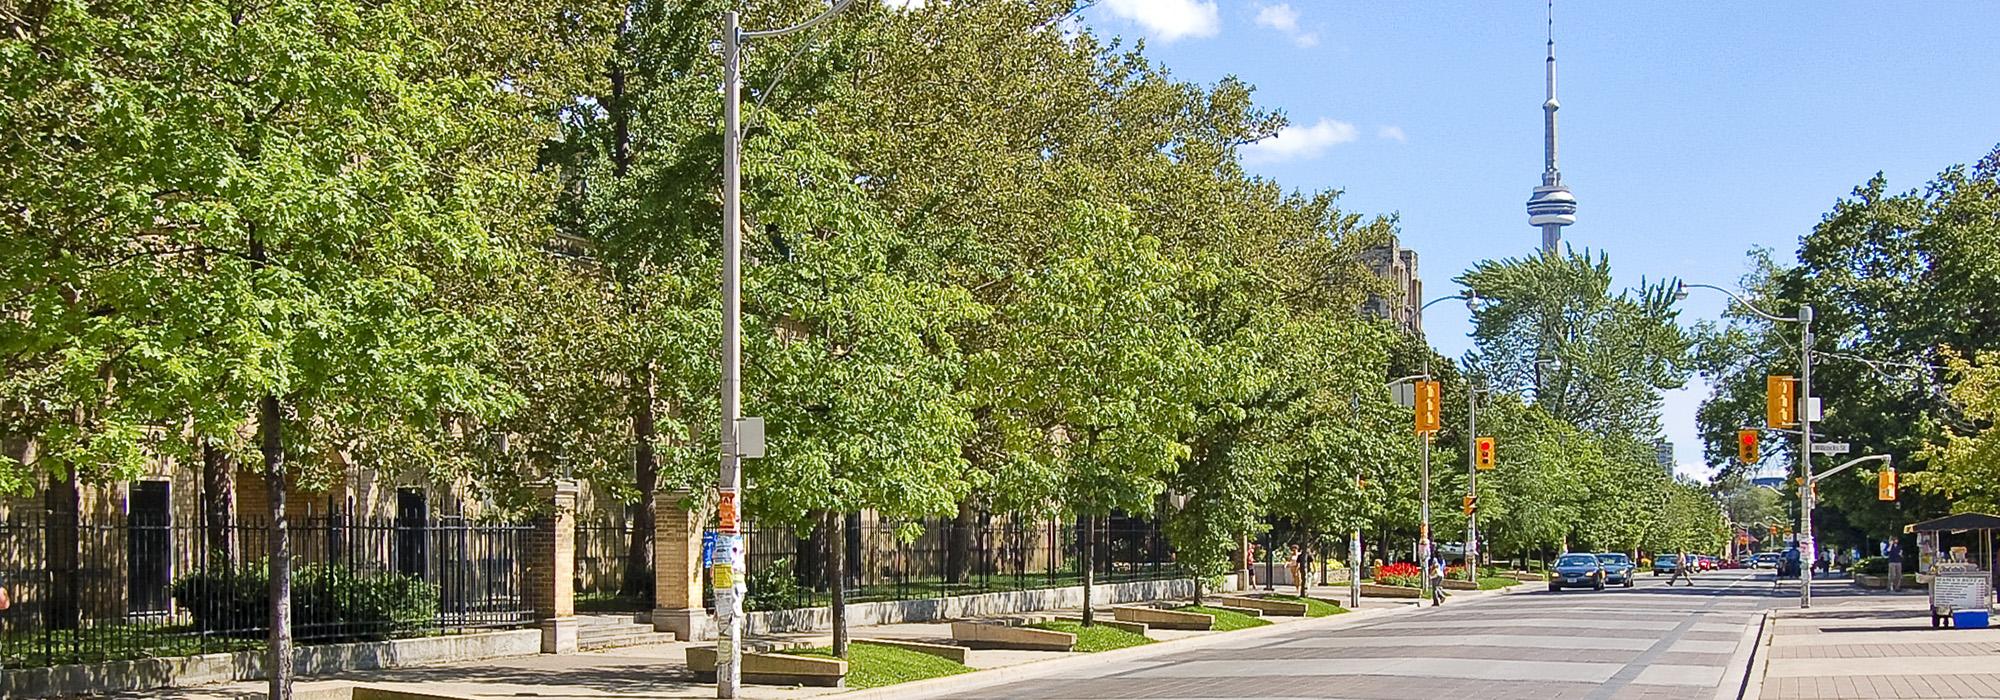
pixel 1457 585
pixel 980 605
pixel 942 651
pixel 1138 628
pixel 1250 612
pixel 1160 618
pixel 772 669
pixel 1266 605
pixel 1376 590
pixel 981 635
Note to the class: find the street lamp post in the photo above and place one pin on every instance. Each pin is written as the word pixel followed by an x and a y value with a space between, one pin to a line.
pixel 1807 406
pixel 1425 549
pixel 729 478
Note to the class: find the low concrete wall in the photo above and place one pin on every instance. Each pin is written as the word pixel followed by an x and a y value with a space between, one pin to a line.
pixel 964 606
pixel 183 671
pixel 1376 590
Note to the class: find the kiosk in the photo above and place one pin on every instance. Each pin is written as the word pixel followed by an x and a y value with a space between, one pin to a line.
pixel 1955 558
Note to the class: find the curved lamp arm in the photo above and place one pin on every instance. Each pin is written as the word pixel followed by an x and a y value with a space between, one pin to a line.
pixel 1681 293
pixel 801 27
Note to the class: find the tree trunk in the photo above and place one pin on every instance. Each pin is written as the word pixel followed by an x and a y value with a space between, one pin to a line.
pixel 62 503
pixel 639 573
pixel 958 545
pixel 1088 549
pixel 836 565
pixel 218 504
pixel 279 665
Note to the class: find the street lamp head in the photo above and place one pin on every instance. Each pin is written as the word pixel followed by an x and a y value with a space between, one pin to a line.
pixel 1473 301
pixel 1680 290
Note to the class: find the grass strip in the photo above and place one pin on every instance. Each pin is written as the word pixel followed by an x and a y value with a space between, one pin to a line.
pixel 1095 637
pixel 1314 606
pixel 1225 620
pixel 874 665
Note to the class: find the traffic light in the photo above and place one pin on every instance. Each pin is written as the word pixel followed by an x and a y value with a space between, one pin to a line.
pixel 1885 485
pixel 1781 408
pixel 1430 402
pixel 1471 504
pixel 1482 453
pixel 1746 446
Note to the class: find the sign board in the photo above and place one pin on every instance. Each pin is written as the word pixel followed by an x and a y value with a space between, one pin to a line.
pixel 1960 590
pixel 708 538
pixel 1830 448
pixel 723 575
pixel 1405 394
pixel 750 437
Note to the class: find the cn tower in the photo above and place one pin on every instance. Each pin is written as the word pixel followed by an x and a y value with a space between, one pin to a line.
pixel 1552 206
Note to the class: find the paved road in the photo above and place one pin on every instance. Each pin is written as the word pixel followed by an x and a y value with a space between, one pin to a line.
pixel 1650 641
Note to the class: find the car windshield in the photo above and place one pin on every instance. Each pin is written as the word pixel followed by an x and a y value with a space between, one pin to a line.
pixel 1612 558
pixel 1577 560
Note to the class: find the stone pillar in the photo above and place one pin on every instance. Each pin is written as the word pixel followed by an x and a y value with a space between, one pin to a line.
pixel 677 606
pixel 551 568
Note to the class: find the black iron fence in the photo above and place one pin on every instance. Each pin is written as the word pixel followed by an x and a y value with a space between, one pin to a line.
pixel 986 554
pixel 85 590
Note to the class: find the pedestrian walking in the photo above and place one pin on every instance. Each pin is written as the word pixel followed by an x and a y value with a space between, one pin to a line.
pixel 1437 582
pixel 1683 570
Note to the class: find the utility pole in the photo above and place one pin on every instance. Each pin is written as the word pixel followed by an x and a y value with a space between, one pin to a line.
pixel 1808 408
pixel 1808 496
pixel 729 478
pixel 1471 481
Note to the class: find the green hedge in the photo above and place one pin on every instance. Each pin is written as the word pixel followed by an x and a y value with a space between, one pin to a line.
pixel 362 605
pixel 1872 566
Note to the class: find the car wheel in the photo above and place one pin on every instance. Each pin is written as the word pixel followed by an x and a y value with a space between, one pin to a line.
pixel 1628 583
pixel 1553 588
pixel 1599 586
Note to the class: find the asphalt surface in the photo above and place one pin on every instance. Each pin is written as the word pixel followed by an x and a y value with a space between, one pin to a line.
pixel 1649 641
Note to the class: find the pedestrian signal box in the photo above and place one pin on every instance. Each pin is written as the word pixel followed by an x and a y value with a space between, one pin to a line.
pixel 1482 453
pixel 1471 504
pixel 1746 446
pixel 1781 409
pixel 1430 403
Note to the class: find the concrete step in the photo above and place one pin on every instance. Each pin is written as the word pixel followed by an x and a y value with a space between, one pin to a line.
pixel 606 639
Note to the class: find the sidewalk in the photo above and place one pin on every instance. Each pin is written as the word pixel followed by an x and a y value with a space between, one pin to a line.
pixel 660 670
pixel 1875 645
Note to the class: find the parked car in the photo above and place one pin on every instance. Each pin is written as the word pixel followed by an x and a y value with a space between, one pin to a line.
pixel 1768 560
pixel 1666 564
pixel 1577 570
pixel 1746 561
pixel 1617 568
pixel 1705 563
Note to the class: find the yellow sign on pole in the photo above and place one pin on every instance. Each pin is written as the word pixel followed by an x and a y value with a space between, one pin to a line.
pixel 724 575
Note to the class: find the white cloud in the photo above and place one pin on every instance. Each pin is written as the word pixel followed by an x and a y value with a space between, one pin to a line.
pixel 1392 133
pixel 1301 142
pixel 1285 19
pixel 1169 20
pixel 1280 17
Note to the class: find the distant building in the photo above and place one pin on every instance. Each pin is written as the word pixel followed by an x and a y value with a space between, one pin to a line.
pixel 1398 266
pixel 1663 452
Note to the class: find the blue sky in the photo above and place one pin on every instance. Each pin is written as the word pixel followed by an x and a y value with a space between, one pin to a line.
pixel 1690 131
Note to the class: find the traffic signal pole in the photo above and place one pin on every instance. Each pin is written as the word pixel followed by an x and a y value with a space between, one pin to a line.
pixel 1471 482
pixel 1808 492
pixel 1806 407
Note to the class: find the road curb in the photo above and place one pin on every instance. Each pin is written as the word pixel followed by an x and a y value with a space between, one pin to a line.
pixel 1750 686
pixel 1036 669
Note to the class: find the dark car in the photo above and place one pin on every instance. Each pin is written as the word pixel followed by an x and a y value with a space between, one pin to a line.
pixel 1577 571
pixel 1617 568
pixel 1666 564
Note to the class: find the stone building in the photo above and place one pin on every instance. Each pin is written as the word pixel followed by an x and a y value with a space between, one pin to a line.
pixel 1398 266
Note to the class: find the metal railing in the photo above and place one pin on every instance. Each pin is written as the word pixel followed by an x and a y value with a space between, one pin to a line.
pixel 87 590
pixel 987 554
